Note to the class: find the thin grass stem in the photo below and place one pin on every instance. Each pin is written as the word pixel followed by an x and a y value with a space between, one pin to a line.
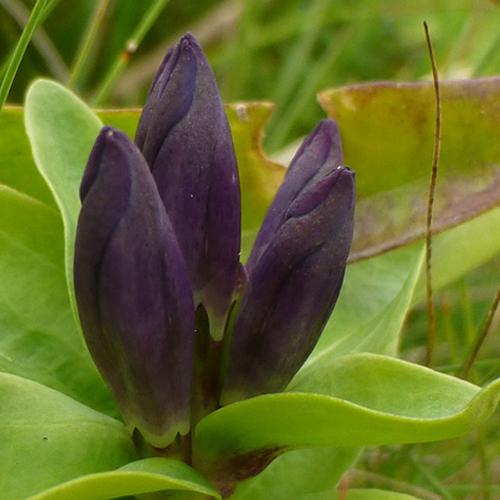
pixel 357 476
pixel 40 40
pixel 483 64
pixel 34 20
pixel 481 337
pixel 467 312
pixel 433 481
pixel 300 56
pixel 88 43
pixel 431 310
pixel 131 46
pixel 284 124
pixel 483 460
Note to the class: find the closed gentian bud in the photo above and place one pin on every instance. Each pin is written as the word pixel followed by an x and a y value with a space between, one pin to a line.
pixel 185 137
pixel 296 269
pixel 133 292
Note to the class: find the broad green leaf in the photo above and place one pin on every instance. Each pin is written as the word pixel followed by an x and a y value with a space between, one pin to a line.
pixel 387 136
pixel 459 250
pixel 17 168
pixel 39 339
pixel 48 438
pixel 143 476
pixel 362 399
pixel 372 306
pixel 298 474
pixel 62 131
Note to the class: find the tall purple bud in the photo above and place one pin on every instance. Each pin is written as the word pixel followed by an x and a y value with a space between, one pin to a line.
pixel 185 137
pixel 296 269
pixel 133 291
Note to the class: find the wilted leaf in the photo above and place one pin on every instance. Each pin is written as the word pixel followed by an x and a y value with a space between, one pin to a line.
pixel 388 133
pixel 260 178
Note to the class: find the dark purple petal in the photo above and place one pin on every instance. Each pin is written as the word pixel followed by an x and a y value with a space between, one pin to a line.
pixel 185 137
pixel 320 151
pixel 133 292
pixel 295 279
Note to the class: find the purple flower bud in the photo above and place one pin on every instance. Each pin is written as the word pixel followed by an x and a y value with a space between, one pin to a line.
pixel 296 269
pixel 133 292
pixel 186 140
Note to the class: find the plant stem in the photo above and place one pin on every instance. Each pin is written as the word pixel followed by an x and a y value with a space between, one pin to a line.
pixel 483 459
pixel 432 479
pixel 131 46
pixel 88 44
pixel 285 121
pixel 206 370
pixel 22 44
pixel 482 336
pixel 40 40
pixel 430 205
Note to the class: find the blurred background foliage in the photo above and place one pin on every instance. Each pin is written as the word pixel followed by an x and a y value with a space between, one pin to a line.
pixel 280 50
pixel 286 51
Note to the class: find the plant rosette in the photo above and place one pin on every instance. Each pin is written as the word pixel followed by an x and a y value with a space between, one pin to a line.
pixel 214 379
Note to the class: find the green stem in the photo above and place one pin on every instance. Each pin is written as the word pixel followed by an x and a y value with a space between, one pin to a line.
pixel 284 123
pixel 432 479
pixel 88 44
pixel 206 370
pixel 22 44
pixel 481 336
pixel 40 40
pixel 482 66
pixel 131 46
pixel 483 460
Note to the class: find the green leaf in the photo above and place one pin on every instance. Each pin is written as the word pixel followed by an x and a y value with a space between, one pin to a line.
pixel 387 137
pixel 17 168
pixel 62 131
pixel 372 306
pixel 48 438
pixel 39 338
pixel 362 399
pixel 143 476
pixel 298 474
pixel 459 250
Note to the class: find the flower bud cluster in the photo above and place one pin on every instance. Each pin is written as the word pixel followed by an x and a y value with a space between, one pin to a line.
pixel 158 240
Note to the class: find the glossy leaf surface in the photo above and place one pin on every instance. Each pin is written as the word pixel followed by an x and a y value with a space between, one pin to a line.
pixel 62 131
pixel 364 399
pixel 39 338
pixel 48 438
pixel 18 170
pixel 143 476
